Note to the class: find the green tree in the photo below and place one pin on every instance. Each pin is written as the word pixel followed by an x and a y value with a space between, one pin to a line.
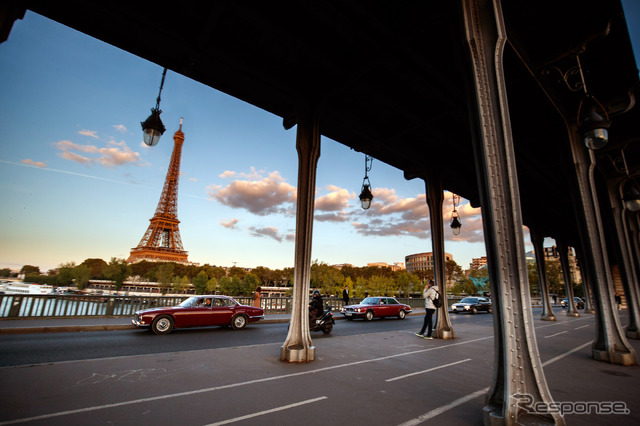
pixel 164 275
pixel 224 285
pixel 30 270
pixel 117 270
pixel 212 285
pixel 5 272
pixel 408 283
pixel 200 282
pixel 65 274
pixel 249 284
pixel 96 267
pixel 82 274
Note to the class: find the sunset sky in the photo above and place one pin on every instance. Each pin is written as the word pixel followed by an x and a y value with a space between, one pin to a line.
pixel 77 182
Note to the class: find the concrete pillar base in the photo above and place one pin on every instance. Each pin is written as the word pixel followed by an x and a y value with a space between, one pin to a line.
pixel 631 334
pixel 615 357
pixel 589 311
pixel 445 334
pixel 298 354
pixel 548 317
pixel 573 314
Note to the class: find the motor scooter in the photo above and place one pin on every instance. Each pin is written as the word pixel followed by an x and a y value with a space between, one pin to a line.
pixel 324 323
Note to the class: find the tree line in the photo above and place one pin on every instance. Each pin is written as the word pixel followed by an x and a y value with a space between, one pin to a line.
pixel 236 281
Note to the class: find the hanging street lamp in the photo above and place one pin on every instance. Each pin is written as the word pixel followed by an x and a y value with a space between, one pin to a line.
pixel 365 195
pixel 152 127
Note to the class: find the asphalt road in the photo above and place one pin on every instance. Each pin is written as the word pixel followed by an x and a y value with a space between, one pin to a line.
pixel 364 373
pixel 27 349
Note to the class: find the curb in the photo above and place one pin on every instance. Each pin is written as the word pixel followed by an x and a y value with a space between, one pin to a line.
pixel 117 327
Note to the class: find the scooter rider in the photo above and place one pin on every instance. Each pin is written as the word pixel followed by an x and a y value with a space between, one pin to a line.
pixel 316 309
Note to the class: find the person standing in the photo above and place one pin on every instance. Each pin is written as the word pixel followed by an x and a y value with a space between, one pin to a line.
pixel 256 297
pixel 618 300
pixel 345 295
pixel 430 293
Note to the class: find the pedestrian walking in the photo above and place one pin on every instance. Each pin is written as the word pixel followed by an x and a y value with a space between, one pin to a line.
pixel 430 293
pixel 618 300
pixel 345 295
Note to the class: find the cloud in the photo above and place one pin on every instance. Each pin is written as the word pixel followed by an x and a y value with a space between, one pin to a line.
pixel 113 155
pixel 120 128
pixel 267 231
pixel 91 133
pixel 34 163
pixel 334 206
pixel 259 195
pixel 230 224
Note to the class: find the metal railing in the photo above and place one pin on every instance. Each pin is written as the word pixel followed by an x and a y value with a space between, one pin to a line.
pixel 23 306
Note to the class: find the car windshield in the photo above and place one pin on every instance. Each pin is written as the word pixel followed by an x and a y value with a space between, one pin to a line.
pixel 190 302
pixel 370 301
pixel 469 300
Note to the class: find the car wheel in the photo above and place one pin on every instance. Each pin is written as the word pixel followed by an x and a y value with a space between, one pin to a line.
pixel 474 310
pixel 368 316
pixel 238 322
pixel 327 328
pixel 162 325
pixel 456 312
pixel 349 318
pixel 402 314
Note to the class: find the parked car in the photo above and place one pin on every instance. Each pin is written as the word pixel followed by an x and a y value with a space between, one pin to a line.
pixel 578 302
pixel 198 311
pixel 372 307
pixel 472 305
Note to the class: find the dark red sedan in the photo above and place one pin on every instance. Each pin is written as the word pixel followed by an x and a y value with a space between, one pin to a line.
pixel 198 311
pixel 372 307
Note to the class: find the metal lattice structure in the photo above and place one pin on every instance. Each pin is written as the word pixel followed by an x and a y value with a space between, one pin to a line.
pixel 161 241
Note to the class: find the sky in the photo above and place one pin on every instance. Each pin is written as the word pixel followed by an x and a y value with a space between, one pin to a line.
pixel 77 182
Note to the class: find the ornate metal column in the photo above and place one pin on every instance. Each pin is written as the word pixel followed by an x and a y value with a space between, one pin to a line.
pixel 610 345
pixel 563 251
pixel 588 294
pixel 625 260
pixel 517 368
pixel 298 346
pixel 444 329
pixel 537 240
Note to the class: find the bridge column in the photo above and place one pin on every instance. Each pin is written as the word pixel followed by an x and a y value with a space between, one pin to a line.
pixel 444 329
pixel 298 346
pixel 624 258
pixel 563 252
pixel 517 368
pixel 537 240
pixel 610 344
pixel 586 287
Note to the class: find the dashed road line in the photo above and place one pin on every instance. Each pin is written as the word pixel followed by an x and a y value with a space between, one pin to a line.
pixel 273 410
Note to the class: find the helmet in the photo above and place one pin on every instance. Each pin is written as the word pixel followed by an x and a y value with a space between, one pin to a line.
pixel 316 292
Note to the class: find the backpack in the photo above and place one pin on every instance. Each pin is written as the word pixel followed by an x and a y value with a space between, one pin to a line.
pixel 437 302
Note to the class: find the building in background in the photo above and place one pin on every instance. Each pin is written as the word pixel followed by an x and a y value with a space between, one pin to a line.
pixel 422 261
pixel 477 263
pixel 397 266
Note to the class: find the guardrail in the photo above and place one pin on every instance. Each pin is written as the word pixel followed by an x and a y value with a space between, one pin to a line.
pixel 23 306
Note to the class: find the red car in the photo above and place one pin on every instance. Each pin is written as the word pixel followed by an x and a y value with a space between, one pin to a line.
pixel 198 311
pixel 372 307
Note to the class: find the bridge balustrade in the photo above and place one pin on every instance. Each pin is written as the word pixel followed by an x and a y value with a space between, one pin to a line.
pixel 23 306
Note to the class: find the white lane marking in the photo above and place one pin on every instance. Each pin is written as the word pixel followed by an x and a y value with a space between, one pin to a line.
pixel 554 335
pixel 427 371
pixel 231 385
pixel 582 326
pixel 559 357
pixel 273 410
pixel 443 408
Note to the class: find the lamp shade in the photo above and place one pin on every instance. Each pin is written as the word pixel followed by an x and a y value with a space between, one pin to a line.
pixel 631 196
pixel 455 225
pixel 153 128
pixel 595 129
pixel 365 197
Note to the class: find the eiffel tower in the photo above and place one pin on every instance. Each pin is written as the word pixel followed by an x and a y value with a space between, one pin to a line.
pixel 162 242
